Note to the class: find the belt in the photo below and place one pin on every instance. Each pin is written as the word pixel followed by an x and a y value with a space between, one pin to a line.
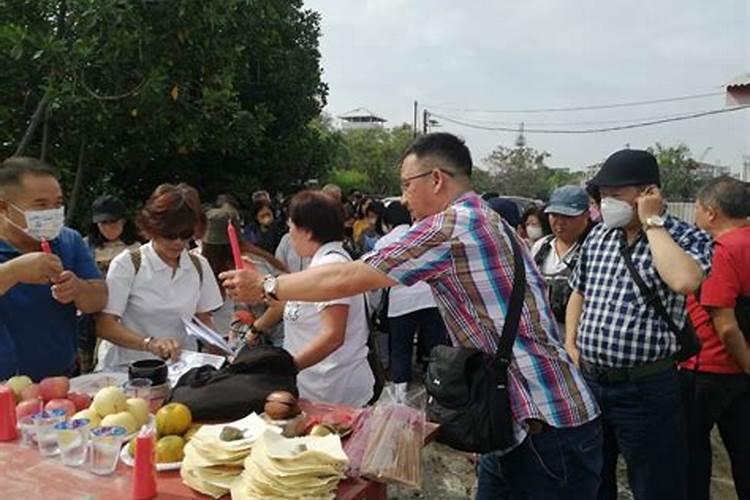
pixel 628 374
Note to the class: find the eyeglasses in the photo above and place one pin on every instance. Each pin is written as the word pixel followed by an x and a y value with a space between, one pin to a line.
pixel 406 182
pixel 185 235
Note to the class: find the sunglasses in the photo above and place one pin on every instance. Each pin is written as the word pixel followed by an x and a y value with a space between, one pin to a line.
pixel 185 235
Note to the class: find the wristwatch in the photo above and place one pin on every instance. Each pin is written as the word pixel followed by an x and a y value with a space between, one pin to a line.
pixel 654 221
pixel 270 286
pixel 147 342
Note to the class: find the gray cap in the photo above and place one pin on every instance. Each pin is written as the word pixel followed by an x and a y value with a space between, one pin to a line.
pixel 568 200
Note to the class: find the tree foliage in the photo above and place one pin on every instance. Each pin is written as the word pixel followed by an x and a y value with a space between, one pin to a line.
pixel 224 95
pixel 679 172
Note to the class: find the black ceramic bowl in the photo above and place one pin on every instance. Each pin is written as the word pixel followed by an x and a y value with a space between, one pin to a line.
pixel 153 369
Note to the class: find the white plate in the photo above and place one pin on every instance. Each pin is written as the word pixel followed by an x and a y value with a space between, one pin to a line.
pixel 92 382
pixel 129 461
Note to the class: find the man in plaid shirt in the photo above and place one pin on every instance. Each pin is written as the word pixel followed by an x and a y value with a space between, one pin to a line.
pixel 623 346
pixel 460 248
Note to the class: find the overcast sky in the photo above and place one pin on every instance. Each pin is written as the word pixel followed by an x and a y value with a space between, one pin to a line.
pixel 530 54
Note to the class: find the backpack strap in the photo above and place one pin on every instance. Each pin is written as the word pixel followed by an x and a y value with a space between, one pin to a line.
pixel 136 258
pixel 544 250
pixel 198 266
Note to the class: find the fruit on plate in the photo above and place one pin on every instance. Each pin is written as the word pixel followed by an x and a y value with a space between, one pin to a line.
pixel 138 407
pixel 32 391
pixel 170 449
pixel 61 404
pixel 94 419
pixel 123 419
pixel 109 401
pixel 81 400
pixel 17 384
pixel 173 419
pixel 29 407
pixel 54 388
pixel 191 432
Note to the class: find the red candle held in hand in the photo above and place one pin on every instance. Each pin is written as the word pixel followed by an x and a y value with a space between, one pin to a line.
pixel 235 244
pixel 45 246
pixel 144 468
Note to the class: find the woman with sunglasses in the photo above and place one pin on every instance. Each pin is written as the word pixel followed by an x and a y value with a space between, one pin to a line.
pixel 151 290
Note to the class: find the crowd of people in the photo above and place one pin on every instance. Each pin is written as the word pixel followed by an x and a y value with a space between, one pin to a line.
pixel 616 290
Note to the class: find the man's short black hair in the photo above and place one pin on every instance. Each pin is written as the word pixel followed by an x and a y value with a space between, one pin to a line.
pixel 444 147
pixel 730 195
pixel 16 167
pixel 396 214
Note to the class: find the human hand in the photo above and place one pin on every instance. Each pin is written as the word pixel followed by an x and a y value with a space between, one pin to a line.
pixel 574 354
pixel 650 203
pixel 66 288
pixel 167 348
pixel 36 268
pixel 244 285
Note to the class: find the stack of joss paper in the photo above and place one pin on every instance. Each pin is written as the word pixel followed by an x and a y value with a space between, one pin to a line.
pixel 307 467
pixel 212 464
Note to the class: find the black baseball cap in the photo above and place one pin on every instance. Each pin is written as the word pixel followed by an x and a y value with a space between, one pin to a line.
pixel 627 167
pixel 107 208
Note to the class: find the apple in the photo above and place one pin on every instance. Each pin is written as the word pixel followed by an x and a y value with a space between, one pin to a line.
pixel 81 400
pixel 17 384
pixel 123 419
pixel 91 415
pixel 139 409
pixel 54 388
pixel 32 391
pixel 62 404
pixel 29 407
pixel 110 400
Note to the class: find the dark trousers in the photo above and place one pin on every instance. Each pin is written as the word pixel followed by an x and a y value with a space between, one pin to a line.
pixel 644 420
pixel 556 464
pixel 432 332
pixel 721 400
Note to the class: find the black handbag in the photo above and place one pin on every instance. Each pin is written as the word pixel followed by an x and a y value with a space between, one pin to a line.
pixel 687 339
pixel 468 389
pixel 239 388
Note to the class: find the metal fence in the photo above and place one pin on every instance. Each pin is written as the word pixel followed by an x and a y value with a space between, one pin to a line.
pixel 683 210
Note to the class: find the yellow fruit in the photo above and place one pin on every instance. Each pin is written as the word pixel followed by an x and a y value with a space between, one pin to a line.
pixel 131 447
pixel 170 449
pixel 95 419
pixel 109 400
pixel 139 409
pixel 173 419
pixel 191 432
pixel 123 419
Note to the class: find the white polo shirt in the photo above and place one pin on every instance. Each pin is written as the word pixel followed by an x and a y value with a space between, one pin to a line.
pixel 154 301
pixel 344 376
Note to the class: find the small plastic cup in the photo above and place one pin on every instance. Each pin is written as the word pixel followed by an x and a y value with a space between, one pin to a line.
pixel 105 449
pixel 138 388
pixel 28 431
pixel 73 441
pixel 44 427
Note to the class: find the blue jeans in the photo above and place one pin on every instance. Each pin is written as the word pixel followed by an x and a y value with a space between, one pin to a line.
pixel 644 420
pixel 555 464
pixel 432 333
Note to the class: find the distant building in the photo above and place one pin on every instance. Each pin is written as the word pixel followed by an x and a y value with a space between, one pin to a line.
pixel 360 118
pixel 746 168
pixel 738 91
pixel 709 171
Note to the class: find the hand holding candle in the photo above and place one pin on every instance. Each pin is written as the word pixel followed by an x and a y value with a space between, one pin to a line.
pixel 45 247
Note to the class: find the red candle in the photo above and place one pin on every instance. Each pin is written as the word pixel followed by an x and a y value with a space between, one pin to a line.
pixel 144 468
pixel 235 244
pixel 45 246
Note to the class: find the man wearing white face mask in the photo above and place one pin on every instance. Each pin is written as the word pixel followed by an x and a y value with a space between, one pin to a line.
pixel 41 292
pixel 625 340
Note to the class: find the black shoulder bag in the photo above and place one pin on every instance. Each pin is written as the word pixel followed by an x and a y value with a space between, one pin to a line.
pixel 468 388
pixel 687 340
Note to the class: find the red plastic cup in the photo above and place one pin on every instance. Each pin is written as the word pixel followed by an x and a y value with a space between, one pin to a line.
pixel 8 431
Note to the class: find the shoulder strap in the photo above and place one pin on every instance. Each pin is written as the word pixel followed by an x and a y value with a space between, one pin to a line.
pixel 652 298
pixel 543 252
pixel 515 306
pixel 135 258
pixel 197 264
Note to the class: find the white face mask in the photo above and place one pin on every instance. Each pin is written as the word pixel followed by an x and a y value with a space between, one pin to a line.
pixel 42 224
pixel 616 213
pixel 534 232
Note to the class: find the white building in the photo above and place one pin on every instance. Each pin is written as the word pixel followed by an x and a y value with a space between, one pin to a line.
pixel 360 118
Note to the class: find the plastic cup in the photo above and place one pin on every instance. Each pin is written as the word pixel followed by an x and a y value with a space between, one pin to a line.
pixel 138 388
pixel 73 440
pixel 105 449
pixel 44 427
pixel 28 431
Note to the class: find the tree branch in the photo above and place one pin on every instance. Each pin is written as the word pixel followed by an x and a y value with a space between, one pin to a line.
pixel 77 184
pixel 35 119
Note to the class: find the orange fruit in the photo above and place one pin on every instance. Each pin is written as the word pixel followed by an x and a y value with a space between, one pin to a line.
pixel 170 449
pixel 173 419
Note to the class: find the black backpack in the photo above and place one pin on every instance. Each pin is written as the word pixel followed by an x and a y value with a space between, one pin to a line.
pixel 239 388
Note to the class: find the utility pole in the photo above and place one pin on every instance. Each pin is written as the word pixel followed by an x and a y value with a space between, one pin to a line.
pixel 416 106
pixel 425 121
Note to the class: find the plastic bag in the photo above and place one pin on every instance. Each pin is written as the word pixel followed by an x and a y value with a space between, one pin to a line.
pixel 396 438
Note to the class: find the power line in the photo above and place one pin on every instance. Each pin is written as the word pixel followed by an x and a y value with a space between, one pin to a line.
pixel 581 108
pixel 593 130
